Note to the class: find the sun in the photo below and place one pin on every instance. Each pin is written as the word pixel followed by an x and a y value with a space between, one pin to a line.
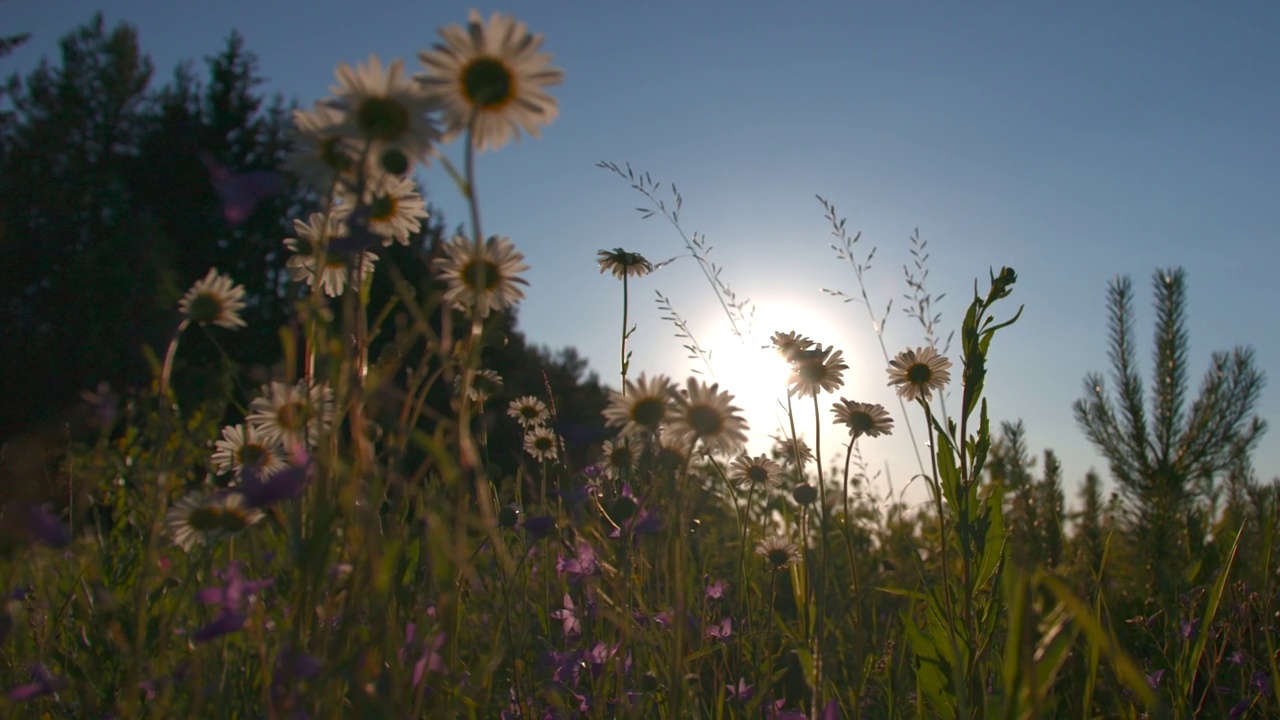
pixel 747 365
pixel 757 377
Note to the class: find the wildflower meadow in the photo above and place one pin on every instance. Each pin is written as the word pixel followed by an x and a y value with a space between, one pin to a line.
pixel 347 486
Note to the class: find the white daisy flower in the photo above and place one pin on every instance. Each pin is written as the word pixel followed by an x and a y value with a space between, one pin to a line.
pixel 240 448
pixel 394 208
pixel 387 111
pixel 490 74
pixel 541 442
pixel 529 411
pixel 292 414
pixel 703 412
pixel 199 519
pixel 483 277
pixel 214 299
pixel 314 237
pixel 321 150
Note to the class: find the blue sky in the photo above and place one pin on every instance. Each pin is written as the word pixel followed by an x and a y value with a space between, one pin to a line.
pixel 1073 143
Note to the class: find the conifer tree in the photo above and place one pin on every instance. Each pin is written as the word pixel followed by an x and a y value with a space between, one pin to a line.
pixel 1166 457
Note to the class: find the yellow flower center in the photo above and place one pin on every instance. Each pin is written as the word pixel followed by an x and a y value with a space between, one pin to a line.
pixel 705 420
pixel 488 83
pixel 919 374
pixel 861 422
pixel 205 519
pixel 333 156
pixel 620 457
pixel 205 308
pixel 383 208
pixel 382 119
pixel 232 521
pixel 253 455
pixel 481 275
pixel 394 162
pixel 292 416
pixel 648 412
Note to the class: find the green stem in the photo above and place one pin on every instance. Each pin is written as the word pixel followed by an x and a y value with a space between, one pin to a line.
pixel 624 333
pixel 820 619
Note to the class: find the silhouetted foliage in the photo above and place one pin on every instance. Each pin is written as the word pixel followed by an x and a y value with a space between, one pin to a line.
pixel 1167 458
pixel 108 213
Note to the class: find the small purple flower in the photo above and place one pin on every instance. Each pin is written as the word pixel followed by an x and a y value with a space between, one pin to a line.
pixel 430 660
pixel 43 525
pixel 715 590
pixel 1187 629
pixel 1153 679
pixel 642 523
pixel 580 565
pixel 1261 683
pixel 103 402
pixel 742 692
pixel 42 683
pixel 538 526
pixel 294 664
pixel 569 617
pixel 1236 657
pixel 777 713
pixel 241 192
pixel 233 597
pixel 722 630
pixel 284 485
pixel 600 655
pixel 567 667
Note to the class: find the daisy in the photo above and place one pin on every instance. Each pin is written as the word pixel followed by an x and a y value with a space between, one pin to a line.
pixel 199 519
pixel 756 473
pixel 387 111
pixel 394 207
pixel 482 277
pixel 645 406
pixel 863 418
pixel 816 370
pixel 239 449
pixel 703 412
pixel 214 299
pixel 292 414
pixel 919 372
pixel 529 411
pixel 540 442
pixel 321 150
pixel 671 452
pixel 313 236
pixel 778 551
pixel 623 264
pixel 236 516
pixel 790 344
pixel 489 77
pixel 786 450
pixel 484 385
pixel 618 456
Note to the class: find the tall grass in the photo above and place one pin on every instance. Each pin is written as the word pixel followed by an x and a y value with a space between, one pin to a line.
pixel 384 564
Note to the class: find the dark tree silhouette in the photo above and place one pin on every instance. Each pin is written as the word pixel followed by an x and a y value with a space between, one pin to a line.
pixel 1167 457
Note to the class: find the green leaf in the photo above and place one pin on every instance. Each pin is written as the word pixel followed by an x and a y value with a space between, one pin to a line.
pixel 1210 612
pixel 1103 640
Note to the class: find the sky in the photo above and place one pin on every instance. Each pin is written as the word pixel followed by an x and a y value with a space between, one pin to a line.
pixel 1074 142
